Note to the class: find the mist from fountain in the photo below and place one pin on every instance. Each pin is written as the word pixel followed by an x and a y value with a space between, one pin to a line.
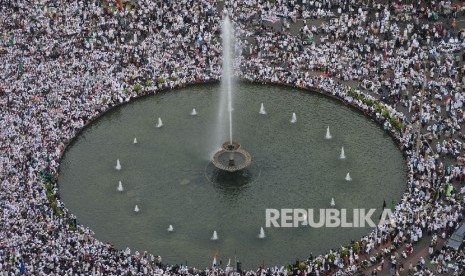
pixel 135 140
pixel 332 203
pixel 118 165
pixel 170 228
pixel 136 209
pixel 194 112
pixel 215 236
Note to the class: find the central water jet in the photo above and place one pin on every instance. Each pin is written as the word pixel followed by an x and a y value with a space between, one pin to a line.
pixel 231 157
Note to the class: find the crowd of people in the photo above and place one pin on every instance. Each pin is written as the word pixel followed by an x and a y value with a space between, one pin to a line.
pixel 66 62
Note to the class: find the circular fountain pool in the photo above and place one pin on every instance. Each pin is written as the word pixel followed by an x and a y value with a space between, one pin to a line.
pixel 294 166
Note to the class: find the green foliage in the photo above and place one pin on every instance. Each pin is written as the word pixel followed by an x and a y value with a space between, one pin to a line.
pixel 356 95
pixel 386 113
pixel 57 211
pixel 378 107
pixel 46 176
pixel 332 257
pixel 148 83
pixel 397 124
pixel 160 80
pixel 345 252
pixel 352 93
pixel 51 196
pixel 137 88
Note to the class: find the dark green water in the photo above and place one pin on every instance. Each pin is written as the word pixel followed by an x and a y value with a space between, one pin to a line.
pixel 165 174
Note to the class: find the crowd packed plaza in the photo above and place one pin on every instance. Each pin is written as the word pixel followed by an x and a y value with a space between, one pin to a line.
pixel 65 62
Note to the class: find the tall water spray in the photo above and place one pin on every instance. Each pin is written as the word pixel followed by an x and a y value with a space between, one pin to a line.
pixel 230 157
pixel 227 68
pixel 226 93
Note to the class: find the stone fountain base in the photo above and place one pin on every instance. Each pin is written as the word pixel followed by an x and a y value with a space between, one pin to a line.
pixel 231 157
